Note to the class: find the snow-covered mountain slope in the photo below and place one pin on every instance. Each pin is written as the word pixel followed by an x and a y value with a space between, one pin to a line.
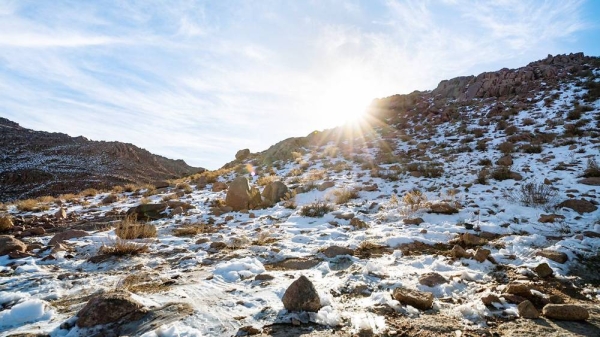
pixel 480 200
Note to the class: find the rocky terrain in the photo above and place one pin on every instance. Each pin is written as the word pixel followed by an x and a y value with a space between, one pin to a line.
pixel 35 163
pixel 468 210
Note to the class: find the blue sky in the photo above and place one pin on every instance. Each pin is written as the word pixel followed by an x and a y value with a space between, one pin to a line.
pixel 199 80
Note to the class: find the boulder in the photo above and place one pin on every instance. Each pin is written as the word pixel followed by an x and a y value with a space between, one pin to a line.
pixel 543 270
pixel 8 244
pixel 242 154
pixel 432 279
pixel 443 208
pixel 219 186
pixel 553 255
pixel 593 181
pixel 413 221
pixel 418 299
pixel 566 312
pixel 148 212
pixel 67 235
pixel 528 310
pixel 241 196
pixel 301 295
pixel 274 192
pixel 334 251
pixel 109 308
pixel 580 206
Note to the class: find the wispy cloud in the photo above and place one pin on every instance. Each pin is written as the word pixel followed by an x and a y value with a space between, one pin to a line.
pixel 200 80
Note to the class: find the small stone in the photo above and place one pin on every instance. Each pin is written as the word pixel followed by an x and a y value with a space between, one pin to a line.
pixel 301 295
pixel 553 255
pixel 263 277
pixel 473 240
pixel 459 252
pixel 432 279
pixel 550 218
pixel 566 312
pixel 518 289
pixel 527 310
pixel 443 208
pixel 481 254
pixel 38 230
pixel 334 251
pixel 413 221
pixel 489 299
pixel 418 299
pixel 543 270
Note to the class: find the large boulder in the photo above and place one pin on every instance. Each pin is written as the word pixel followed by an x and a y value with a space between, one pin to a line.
pixel 8 244
pixel 301 295
pixel 566 312
pixel 241 196
pixel 242 154
pixel 274 192
pixel 580 206
pixel 147 212
pixel 109 308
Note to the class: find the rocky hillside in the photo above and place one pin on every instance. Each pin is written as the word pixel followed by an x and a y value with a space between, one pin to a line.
pixel 35 163
pixel 468 210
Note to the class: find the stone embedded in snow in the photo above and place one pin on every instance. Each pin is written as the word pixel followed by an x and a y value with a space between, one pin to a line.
pixel 344 216
pixel 553 255
pixel 432 279
pixel 325 185
pixel 263 277
pixel 459 252
pixel 413 221
pixel 418 299
pixel 148 211
pixel 593 181
pixel 566 312
pixel 489 299
pixel 274 192
pixel 518 289
pixel 473 240
pixel 301 295
pixel 505 161
pixel 580 206
pixel 334 251
pixel 543 270
pixel 358 223
pixel 550 218
pixel 8 244
pixel 528 310
pixel 443 208
pixel 481 254
pixel 109 308
pixel 219 186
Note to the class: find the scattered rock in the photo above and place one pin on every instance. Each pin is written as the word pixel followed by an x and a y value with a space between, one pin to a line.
pixel 242 154
pixel 543 270
pixel 518 289
pixel 37 230
pixel 593 181
pixel 147 212
pixel 432 279
pixel 491 298
pixel 528 310
pixel 459 252
pixel 66 235
pixel 219 186
pixel 580 206
pixel 263 277
pixel 418 299
pixel 443 208
pixel 505 161
pixel 301 295
pixel 358 223
pixel 109 199
pixel 413 221
pixel 8 244
pixel 481 254
pixel 274 192
pixel 566 312
pixel 553 255
pixel 161 184
pixel 334 251
pixel 550 218
pixel 109 308
pixel 473 240
pixel 241 196
pixel 61 214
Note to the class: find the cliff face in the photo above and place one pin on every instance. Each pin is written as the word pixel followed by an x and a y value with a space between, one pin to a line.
pixel 35 163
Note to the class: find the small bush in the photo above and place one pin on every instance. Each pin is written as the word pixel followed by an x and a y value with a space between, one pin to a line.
pixel 118 189
pixel 5 223
pixel 592 170
pixel 120 247
pixel 187 189
pixel 511 130
pixel 316 209
pixel 89 192
pixel 528 121
pixel 191 230
pixel 535 194
pixel 69 197
pixel 31 205
pixel 129 188
pixel 532 148
pixel 266 180
pixel 572 130
pixel 482 177
pixel 481 146
pixel 485 162
pixel 130 229
pixel 415 199
pixel 150 191
pixel 506 147
pixel 501 173
pixel 168 197
pixel 343 195
pixel 264 237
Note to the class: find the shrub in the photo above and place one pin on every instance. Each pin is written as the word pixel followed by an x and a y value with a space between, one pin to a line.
pixel 478 132
pixel 506 147
pixel 528 121
pixel 485 162
pixel 172 196
pixel 191 230
pixel 109 199
pixel 501 173
pixel 117 189
pixel 572 130
pixel 266 180
pixel 264 237
pixel 31 205
pixel 120 247
pixel 428 169
pixel 535 194
pixel 414 199
pixel 5 223
pixel 89 192
pixel 592 170
pixel 481 146
pixel 532 148
pixel 187 189
pixel 316 209
pixel 314 175
pixel 511 130
pixel 482 177
pixel 46 199
pixel 129 188
pixel 129 229
pixel 343 195
pixel 69 197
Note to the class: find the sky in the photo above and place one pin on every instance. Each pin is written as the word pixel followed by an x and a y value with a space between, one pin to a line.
pixel 199 80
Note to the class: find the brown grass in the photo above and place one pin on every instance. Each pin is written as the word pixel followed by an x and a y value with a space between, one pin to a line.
pixel 191 230
pixel 142 283
pixel 46 199
pixel 31 205
pixel 415 200
pixel 266 180
pixel 344 195
pixel 69 197
pixel 130 229
pixel 5 223
pixel 129 188
pixel 263 238
pixel 120 247
pixel 89 192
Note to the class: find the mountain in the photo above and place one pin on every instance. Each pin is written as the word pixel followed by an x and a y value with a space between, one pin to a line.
pixel 36 163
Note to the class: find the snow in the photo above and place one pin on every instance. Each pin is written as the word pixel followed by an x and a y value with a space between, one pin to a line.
pixel 235 270
pixel 28 311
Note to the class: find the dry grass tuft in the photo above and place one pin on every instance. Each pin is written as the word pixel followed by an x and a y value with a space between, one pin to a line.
pixel 121 247
pixel 316 209
pixel 415 200
pixel 264 238
pixel 592 170
pixel 31 205
pixel 129 188
pixel 343 195
pixel 266 180
pixel 191 230
pixel 142 283
pixel 89 192
pixel 5 223
pixel 130 229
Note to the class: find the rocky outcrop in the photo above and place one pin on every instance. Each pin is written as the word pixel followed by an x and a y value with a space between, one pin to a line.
pixel 36 163
pixel 242 154
pixel 240 196
pixel 274 192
